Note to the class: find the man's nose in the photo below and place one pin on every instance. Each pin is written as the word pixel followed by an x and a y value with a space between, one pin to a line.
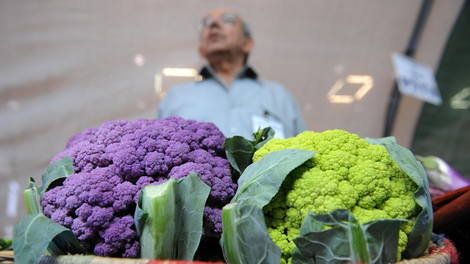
pixel 215 22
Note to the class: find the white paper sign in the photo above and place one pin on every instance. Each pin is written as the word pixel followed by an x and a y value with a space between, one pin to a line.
pixel 416 80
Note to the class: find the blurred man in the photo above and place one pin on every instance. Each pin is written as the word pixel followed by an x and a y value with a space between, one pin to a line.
pixel 230 94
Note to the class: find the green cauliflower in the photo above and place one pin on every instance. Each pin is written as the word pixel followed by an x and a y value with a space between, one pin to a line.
pixel 346 173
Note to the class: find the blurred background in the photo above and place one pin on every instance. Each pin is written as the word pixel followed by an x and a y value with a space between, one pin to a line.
pixel 68 65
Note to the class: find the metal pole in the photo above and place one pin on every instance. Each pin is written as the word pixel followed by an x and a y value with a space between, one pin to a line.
pixel 394 101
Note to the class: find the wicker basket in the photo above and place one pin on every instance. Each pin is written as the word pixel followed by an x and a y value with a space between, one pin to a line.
pixel 442 251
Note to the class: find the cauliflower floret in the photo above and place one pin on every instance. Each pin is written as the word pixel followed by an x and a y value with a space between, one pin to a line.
pixel 345 173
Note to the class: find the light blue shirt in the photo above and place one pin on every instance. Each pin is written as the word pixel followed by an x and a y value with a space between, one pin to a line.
pixel 234 109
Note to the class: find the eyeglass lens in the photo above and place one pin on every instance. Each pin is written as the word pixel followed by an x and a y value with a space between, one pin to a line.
pixel 226 18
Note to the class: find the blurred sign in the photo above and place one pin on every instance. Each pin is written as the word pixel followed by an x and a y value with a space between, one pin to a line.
pixel 416 80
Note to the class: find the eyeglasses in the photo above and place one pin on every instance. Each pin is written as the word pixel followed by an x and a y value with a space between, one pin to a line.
pixel 225 19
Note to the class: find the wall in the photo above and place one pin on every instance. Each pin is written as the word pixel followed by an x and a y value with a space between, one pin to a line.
pixel 66 66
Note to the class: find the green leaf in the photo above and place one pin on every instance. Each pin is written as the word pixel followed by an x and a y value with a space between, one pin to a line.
pixel 139 216
pixel 157 240
pixel 169 218
pixel 230 236
pixel 261 180
pixel 378 141
pixel 240 150
pixel 245 237
pixel 420 236
pixel 263 136
pixel 5 243
pixel 32 198
pixel 298 258
pixel 33 235
pixel 56 171
pixel 347 240
pixel 192 194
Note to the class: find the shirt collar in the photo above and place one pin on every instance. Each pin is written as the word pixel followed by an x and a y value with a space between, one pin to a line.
pixel 246 72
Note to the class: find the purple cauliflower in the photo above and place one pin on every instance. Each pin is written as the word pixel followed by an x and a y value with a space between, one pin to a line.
pixel 114 162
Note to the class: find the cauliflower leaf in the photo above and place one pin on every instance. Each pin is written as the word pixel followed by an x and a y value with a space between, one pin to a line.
pixel 169 218
pixel 421 233
pixel 246 238
pixel 261 181
pixel 339 237
pixel 36 233
pixel 240 150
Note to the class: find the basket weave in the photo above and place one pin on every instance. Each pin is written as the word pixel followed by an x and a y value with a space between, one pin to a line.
pixel 441 258
pixel 6 257
pixel 445 253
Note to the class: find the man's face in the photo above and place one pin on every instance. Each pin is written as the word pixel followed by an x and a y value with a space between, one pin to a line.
pixel 222 31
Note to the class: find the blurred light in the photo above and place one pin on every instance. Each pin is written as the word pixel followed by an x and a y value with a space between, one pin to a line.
pixel 12 199
pixel 366 80
pixel 180 72
pixel 342 99
pixel 158 85
pixel 338 85
pixel 13 105
pixel 139 60
pixel 458 102
pixel 198 78
pixel 339 99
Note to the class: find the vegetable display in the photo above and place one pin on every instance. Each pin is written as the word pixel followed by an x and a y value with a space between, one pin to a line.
pixel 114 162
pixel 159 189
pixel 245 237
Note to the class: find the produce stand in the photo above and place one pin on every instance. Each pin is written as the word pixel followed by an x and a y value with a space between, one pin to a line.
pixel 169 218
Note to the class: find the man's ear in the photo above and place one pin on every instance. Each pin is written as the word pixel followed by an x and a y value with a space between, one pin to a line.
pixel 201 52
pixel 248 45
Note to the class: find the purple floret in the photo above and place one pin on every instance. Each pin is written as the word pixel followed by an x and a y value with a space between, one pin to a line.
pixel 118 236
pixel 114 162
pixel 155 163
pixel 213 219
pixel 124 195
pixel 87 135
pixel 61 216
pixel 88 202
pixel 83 232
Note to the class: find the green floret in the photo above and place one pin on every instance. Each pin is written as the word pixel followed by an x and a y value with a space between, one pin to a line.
pixel 346 173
